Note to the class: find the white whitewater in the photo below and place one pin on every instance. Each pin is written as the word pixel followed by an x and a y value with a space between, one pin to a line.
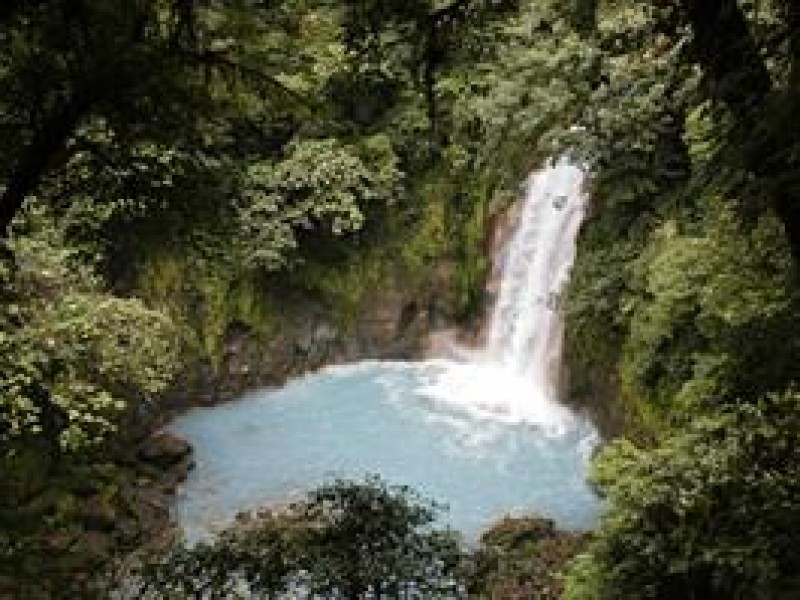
pixel 514 377
pixel 526 329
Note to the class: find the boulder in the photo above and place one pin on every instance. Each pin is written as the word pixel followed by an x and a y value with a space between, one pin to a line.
pixel 164 450
pixel 58 541
pixel 148 508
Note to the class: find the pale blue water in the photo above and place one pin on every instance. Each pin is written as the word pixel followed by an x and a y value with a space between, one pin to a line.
pixel 375 418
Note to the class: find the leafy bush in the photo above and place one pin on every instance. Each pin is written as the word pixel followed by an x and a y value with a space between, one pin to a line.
pixel 321 186
pixel 345 540
pixel 712 512
pixel 711 306
pixel 71 355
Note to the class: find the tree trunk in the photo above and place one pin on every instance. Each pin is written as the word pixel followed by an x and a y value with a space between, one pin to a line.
pixel 34 161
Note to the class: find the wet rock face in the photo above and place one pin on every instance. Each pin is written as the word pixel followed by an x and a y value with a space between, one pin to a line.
pixel 392 322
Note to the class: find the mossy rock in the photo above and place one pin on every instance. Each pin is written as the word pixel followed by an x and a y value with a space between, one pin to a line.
pixel 98 514
pixel 522 558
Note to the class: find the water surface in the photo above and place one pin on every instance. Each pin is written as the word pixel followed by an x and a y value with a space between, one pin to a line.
pixel 388 419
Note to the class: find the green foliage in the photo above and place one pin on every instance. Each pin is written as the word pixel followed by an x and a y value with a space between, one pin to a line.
pixel 321 186
pixel 71 355
pixel 345 286
pixel 256 559
pixel 711 307
pixel 346 539
pixel 285 137
pixel 683 302
pixel 512 104
pixel 710 513
pixel 375 537
pixel 683 281
pixel 214 157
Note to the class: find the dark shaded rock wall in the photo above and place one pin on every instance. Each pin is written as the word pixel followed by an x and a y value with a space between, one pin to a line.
pixel 392 322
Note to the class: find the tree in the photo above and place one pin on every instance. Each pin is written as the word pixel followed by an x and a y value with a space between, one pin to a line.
pixel 73 358
pixel 345 540
pixel 765 115
pixel 103 80
pixel 710 513
pixel 723 44
pixel 417 39
pixel 323 186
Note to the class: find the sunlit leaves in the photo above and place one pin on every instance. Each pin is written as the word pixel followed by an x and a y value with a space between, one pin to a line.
pixel 322 186
pixel 71 356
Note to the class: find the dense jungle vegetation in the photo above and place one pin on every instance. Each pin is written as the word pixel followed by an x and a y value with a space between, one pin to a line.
pixel 171 168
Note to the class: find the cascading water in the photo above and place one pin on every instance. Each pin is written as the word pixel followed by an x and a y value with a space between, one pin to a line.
pixel 484 434
pixel 526 329
pixel 514 377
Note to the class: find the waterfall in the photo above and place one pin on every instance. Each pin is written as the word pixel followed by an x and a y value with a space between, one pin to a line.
pixel 480 429
pixel 526 327
pixel 514 377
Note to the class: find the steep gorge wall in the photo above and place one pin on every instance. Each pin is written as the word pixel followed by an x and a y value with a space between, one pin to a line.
pixel 391 320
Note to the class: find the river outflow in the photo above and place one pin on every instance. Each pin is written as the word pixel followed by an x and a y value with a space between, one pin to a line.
pixel 484 434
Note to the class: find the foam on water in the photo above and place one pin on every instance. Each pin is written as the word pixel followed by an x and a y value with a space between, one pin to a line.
pixel 488 391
